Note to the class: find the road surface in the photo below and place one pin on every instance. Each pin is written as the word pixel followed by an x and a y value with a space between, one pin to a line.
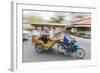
pixel 30 55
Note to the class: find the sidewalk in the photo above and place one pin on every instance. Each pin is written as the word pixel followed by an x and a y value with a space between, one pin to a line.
pixel 80 38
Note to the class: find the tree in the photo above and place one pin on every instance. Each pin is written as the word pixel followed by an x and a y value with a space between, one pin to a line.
pixel 34 19
pixel 58 18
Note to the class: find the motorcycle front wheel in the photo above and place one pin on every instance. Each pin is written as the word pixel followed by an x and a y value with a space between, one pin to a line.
pixel 80 53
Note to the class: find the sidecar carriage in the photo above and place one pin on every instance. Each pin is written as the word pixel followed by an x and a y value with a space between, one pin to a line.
pixel 42 45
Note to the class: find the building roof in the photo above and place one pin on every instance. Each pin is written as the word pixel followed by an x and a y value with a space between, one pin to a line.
pixel 84 21
pixel 50 24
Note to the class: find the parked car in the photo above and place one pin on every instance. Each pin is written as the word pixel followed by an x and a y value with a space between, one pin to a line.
pixel 86 35
pixel 26 35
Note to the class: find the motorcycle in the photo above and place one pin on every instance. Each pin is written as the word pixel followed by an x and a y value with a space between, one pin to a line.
pixel 73 48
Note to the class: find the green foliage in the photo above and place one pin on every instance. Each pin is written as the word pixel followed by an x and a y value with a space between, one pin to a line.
pixel 77 33
pixel 34 19
pixel 58 18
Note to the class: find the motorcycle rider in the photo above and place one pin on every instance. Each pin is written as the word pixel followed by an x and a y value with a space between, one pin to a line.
pixel 67 38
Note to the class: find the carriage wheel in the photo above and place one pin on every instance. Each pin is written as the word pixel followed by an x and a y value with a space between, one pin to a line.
pixel 39 48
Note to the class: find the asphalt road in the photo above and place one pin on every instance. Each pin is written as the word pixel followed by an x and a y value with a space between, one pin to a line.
pixel 30 55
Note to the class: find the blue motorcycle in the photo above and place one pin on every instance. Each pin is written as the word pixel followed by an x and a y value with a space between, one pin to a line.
pixel 72 48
